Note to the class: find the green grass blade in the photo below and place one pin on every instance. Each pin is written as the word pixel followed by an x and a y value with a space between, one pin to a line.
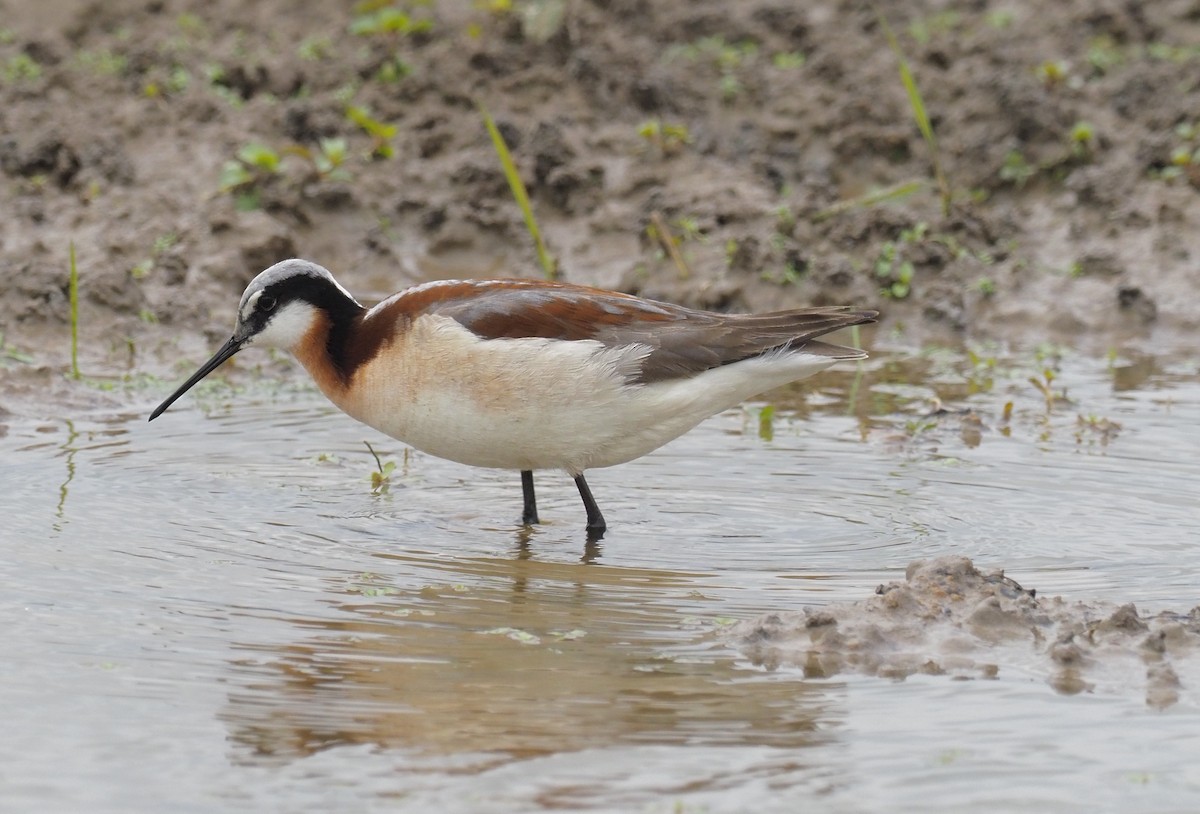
pixel 917 103
pixel 73 288
pixel 892 193
pixel 549 267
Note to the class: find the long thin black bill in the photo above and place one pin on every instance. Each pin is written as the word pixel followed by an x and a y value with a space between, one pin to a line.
pixel 228 349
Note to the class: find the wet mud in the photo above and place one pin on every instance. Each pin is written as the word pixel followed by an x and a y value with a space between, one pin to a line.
pixel 948 618
pixel 745 134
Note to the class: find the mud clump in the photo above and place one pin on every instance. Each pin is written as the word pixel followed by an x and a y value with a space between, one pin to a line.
pixel 949 618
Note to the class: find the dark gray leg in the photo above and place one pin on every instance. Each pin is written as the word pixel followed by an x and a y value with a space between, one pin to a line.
pixel 595 521
pixel 529 516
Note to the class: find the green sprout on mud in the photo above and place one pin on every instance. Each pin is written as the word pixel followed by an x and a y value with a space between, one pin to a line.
pixel 103 62
pixel 1104 54
pixel 986 286
pixel 11 353
pixel 1000 19
pixel 1166 52
pixel 162 244
pixel 788 60
pixel 892 193
pixel 920 115
pixel 1083 139
pixel 789 275
pixel 73 294
pixel 1044 386
pixel 254 163
pixel 785 220
pixel 381 477
pixel 21 68
pixel 520 194
pixel 1052 72
pixel 1016 170
pixel 375 19
pixel 393 70
pixel 381 134
pixel 668 138
pixel 727 57
pixel 314 48
pixel 896 273
pixel 328 159
pixel 924 29
pixel 1185 156
pixel 331 157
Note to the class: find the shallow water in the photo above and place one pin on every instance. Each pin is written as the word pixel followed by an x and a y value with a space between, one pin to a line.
pixel 214 612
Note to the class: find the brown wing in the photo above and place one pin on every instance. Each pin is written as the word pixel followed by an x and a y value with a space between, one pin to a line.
pixel 684 341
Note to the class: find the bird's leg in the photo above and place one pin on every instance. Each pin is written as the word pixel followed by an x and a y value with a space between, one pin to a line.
pixel 595 521
pixel 529 516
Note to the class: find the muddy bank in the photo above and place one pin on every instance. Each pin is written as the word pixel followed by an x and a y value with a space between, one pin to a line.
pixel 183 146
pixel 949 618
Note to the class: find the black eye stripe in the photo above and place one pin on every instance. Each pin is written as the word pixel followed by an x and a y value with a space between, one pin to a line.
pixel 266 302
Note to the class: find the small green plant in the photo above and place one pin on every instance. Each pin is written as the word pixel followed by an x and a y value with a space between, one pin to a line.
pixel 328 159
pixel 917 103
pixel 255 163
pixel 165 242
pixel 162 244
pixel 1016 170
pixel 381 134
pixel 1000 19
pixel 73 294
pixel 13 353
pixel 191 25
pixel 331 157
pixel 924 29
pixel 981 378
pixel 1044 386
pixel 788 60
pixel 142 269
pixel 393 70
pixel 389 21
pixel 1104 54
pixel 517 186
pixel 21 68
pixel 314 48
pixel 104 62
pixel 667 137
pixel 381 477
pixel 1083 139
pixel 1166 52
pixel 892 193
pixel 985 286
pixel 895 274
pixel 727 57
pixel 789 275
pixel 1185 156
pixel 1053 72
pixel 766 423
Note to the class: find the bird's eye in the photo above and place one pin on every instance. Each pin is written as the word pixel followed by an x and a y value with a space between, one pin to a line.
pixel 266 303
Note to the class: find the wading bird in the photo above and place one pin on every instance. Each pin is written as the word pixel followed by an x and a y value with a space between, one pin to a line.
pixel 526 374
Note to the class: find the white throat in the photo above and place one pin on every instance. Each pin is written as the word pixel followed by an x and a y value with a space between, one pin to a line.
pixel 286 327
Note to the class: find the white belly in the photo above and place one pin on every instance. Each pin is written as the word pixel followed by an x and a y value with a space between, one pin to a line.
pixel 541 403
